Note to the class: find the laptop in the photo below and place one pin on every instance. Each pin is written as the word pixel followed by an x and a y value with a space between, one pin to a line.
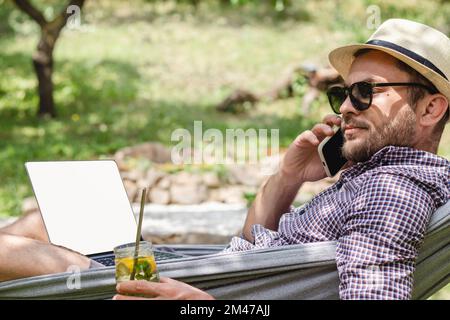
pixel 85 207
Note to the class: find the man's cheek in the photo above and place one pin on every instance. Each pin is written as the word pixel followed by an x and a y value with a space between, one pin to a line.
pixel 371 130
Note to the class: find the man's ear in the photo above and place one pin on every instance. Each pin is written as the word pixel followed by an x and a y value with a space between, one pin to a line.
pixel 434 109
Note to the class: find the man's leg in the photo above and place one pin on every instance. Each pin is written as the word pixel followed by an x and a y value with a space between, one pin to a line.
pixel 29 225
pixel 26 251
pixel 22 257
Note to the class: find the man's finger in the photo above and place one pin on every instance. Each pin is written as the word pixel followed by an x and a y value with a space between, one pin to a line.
pixel 122 297
pixel 141 286
pixel 332 120
pixel 322 130
pixel 306 136
pixel 166 280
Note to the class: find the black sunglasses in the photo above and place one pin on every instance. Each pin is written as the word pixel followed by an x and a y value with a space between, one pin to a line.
pixel 361 93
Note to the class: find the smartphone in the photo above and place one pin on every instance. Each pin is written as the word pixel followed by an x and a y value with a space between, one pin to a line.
pixel 330 152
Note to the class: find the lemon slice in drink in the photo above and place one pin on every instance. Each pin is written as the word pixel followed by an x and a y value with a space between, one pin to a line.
pixel 122 270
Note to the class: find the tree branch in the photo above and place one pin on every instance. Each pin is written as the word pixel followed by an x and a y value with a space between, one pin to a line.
pixel 56 24
pixel 34 14
pixel 60 21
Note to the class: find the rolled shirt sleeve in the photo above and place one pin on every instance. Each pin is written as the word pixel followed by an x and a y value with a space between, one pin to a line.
pixel 378 247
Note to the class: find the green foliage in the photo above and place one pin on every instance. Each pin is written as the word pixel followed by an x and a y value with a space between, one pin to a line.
pixel 6 8
pixel 277 5
pixel 135 74
pixel 250 198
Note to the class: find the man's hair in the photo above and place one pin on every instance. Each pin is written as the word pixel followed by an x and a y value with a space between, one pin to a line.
pixel 416 93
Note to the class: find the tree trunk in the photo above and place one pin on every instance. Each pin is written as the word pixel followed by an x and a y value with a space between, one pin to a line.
pixel 43 57
pixel 43 65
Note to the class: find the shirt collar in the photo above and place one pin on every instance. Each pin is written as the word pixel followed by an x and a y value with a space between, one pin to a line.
pixel 394 155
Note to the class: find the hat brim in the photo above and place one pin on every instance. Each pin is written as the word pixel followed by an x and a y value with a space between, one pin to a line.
pixel 342 58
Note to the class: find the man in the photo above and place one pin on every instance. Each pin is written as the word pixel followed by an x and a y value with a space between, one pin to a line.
pixel 394 110
pixel 393 116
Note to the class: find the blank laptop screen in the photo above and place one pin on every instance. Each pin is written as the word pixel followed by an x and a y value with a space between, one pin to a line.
pixel 83 203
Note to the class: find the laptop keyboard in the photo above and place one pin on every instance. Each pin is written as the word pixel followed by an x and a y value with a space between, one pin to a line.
pixel 159 256
pixel 106 261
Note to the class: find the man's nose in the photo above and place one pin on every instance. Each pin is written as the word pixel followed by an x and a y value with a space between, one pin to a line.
pixel 347 107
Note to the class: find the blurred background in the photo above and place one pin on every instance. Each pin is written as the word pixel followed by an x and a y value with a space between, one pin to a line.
pixel 126 74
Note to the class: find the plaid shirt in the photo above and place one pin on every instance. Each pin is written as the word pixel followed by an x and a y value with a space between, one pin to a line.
pixel 377 212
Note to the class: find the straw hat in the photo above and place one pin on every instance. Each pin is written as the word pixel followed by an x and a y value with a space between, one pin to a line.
pixel 425 49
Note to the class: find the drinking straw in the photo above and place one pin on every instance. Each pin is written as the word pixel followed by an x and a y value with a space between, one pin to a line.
pixel 138 234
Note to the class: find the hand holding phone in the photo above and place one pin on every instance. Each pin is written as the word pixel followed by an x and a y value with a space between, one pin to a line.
pixel 330 153
pixel 302 162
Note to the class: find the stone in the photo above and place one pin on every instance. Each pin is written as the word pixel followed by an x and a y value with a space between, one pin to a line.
pixel 185 178
pixel 187 188
pixel 214 195
pixel 153 176
pixel 270 165
pixel 232 194
pixel 142 183
pixel 164 183
pixel 122 166
pixel 131 188
pixel 151 179
pixel 133 175
pixel 188 193
pixel 211 180
pixel 248 175
pixel 29 205
pixel 159 196
pixel 155 152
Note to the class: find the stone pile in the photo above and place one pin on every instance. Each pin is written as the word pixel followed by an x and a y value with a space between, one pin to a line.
pixel 183 187
pixel 173 190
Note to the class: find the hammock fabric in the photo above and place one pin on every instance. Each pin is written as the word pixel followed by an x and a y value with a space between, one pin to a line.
pixel 305 271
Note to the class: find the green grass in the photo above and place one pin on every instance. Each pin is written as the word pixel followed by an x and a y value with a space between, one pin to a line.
pixel 136 73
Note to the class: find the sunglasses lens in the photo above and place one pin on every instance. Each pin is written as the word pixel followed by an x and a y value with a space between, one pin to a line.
pixel 361 95
pixel 336 97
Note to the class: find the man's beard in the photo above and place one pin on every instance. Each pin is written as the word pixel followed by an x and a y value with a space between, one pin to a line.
pixel 399 132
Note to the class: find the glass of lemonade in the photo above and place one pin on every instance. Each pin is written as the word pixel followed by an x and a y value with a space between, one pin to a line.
pixel 145 263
